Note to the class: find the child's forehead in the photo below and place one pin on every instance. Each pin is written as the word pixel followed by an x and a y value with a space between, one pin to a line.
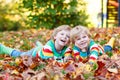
pixel 64 31
pixel 81 34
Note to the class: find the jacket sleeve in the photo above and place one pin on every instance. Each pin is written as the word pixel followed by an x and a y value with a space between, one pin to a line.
pixel 45 52
pixel 94 53
pixel 68 52
pixel 75 55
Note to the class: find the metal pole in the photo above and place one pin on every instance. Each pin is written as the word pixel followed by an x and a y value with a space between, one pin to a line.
pixel 119 14
pixel 102 12
pixel 107 14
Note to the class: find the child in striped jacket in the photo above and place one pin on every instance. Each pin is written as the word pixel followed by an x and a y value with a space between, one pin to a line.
pixel 85 49
pixel 57 47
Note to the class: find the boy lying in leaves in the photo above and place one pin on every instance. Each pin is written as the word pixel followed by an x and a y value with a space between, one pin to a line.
pixel 85 49
pixel 56 48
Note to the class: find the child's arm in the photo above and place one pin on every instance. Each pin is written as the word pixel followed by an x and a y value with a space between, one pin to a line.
pixel 76 55
pixel 94 52
pixel 68 54
pixel 46 52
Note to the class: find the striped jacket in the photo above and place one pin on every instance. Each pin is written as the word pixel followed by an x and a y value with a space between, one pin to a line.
pixel 94 50
pixel 49 51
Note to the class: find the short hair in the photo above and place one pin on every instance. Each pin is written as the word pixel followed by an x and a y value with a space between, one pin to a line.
pixel 77 30
pixel 58 29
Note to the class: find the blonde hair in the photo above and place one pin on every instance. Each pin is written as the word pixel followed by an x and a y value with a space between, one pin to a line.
pixel 77 30
pixel 58 29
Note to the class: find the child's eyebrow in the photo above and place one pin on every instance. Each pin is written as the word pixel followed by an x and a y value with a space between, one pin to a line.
pixel 76 36
pixel 68 36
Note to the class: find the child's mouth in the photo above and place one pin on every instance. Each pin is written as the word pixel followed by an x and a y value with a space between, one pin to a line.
pixel 63 40
pixel 83 43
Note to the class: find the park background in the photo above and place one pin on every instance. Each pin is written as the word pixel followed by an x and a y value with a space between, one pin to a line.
pixel 25 14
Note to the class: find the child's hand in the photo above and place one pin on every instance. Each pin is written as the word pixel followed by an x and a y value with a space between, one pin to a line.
pixel 93 66
pixel 67 58
pixel 88 67
pixel 103 58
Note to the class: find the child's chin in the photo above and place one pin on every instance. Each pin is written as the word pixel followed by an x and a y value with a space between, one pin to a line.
pixel 84 46
pixel 63 44
pixel 83 50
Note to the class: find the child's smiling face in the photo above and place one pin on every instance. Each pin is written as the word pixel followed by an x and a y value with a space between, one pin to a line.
pixel 82 41
pixel 62 38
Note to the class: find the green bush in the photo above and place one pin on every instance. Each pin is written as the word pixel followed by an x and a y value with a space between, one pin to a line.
pixel 7 25
pixel 52 13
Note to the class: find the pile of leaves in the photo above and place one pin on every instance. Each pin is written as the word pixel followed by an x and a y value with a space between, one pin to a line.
pixel 29 68
pixel 25 39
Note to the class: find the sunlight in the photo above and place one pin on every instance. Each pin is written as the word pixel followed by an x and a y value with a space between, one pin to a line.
pixel 93 8
pixel 8 1
pixel 66 1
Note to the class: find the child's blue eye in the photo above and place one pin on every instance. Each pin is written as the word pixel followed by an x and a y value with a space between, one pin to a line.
pixel 62 34
pixel 78 39
pixel 68 36
pixel 84 36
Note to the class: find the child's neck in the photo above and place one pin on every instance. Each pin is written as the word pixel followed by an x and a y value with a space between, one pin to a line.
pixel 58 47
pixel 85 49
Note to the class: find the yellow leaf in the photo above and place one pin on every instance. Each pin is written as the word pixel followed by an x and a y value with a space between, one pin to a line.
pixel 15 72
pixel 18 61
pixel 56 77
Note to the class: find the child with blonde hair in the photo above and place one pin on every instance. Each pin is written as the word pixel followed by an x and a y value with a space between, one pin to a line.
pixel 57 47
pixel 85 49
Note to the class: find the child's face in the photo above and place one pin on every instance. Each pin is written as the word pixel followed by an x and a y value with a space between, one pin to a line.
pixel 82 41
pixel 62 38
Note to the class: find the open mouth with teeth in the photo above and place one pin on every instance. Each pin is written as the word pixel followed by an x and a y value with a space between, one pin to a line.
pixel 63 41
pixel 83 43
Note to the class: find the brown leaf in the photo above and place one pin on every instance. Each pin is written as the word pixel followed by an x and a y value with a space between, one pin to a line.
pixel 100 69
pixel 27 60
pixel 28 74
pixel 70 68
pixel 39 76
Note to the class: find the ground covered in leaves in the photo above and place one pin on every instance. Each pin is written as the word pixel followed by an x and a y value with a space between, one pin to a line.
pixel 28 68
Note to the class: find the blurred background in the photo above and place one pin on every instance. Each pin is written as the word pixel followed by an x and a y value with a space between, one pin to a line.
pixel 26 14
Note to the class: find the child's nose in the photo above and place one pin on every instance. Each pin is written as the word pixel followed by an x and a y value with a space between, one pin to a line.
pixel 64 36
pixel 82 39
